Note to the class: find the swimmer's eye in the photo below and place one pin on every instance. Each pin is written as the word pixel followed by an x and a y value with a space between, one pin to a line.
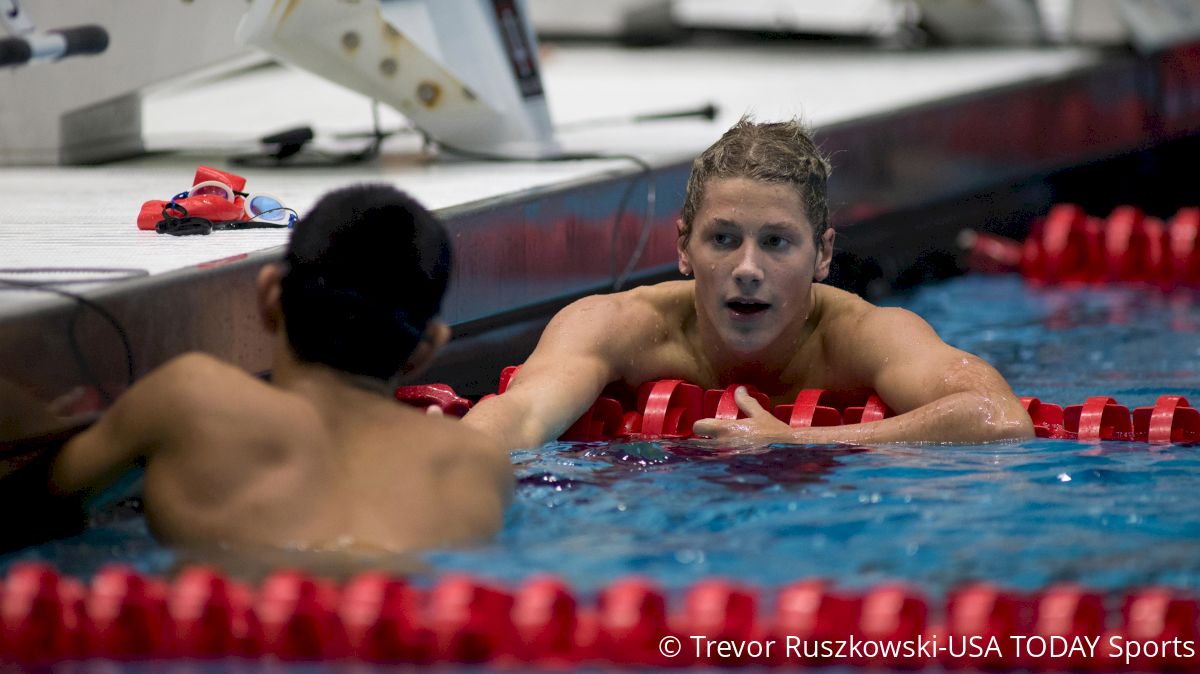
pixel 776 242
pixel 723 240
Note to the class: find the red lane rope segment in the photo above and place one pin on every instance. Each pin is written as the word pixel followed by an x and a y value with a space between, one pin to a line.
pixel 667 409
pixel 1070 247
pixel 121 615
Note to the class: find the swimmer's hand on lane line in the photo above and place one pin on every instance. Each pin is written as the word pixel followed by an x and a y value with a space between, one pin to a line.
pixel 759 425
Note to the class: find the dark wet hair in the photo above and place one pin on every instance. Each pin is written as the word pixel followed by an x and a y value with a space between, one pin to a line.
pixel 366 270
pixel 769 152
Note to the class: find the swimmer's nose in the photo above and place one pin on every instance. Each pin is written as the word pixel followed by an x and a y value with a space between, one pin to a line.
pixel 748 272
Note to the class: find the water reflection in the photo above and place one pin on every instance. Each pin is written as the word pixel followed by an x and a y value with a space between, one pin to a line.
pixel 741 469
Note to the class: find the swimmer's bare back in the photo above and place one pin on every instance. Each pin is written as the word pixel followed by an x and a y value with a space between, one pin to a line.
pixel 313 463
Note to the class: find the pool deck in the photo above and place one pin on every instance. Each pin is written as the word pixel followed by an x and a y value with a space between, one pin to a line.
pixel 904 128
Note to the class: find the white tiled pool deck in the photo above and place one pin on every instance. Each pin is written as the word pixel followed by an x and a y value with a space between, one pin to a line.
pixel 71 217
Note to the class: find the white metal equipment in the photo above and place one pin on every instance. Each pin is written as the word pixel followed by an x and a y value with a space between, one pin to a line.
pixel 465 72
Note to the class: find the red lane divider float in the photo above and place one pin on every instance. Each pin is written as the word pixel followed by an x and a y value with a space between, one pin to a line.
pixel 721 403
pixel 40 614
pixel 1170 420
pixel 668 408
pixel 984 613
pixel 1100 418
pixel 813 407
pixel 124 616
pixel 211 616
pixel 439 395
pixel 1069 246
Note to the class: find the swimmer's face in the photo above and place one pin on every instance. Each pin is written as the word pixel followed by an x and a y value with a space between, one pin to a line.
pixel 754 258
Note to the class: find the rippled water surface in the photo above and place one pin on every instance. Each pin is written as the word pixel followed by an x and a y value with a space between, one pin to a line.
pixel 1023 514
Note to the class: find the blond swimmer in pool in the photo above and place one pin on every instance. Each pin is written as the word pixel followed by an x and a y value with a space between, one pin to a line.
pixel 322 457
pixel 755 234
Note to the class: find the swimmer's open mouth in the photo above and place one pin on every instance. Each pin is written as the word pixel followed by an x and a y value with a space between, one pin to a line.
pixel 747 307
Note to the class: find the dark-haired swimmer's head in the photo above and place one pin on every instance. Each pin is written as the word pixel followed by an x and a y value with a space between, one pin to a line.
pixel 363 277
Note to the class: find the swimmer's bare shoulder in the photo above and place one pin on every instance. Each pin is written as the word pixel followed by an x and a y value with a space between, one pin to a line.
pixel 861 336
pixel 221 408
pixel 475 481
pixel 670 302
pixel 630 324
pixel 171 406
pixel 416 481
pixel 838 310
pixel 837 315
pixel 898 354
pixel 859 341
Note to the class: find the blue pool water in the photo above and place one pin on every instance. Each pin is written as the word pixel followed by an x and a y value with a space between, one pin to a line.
pixel 1023 514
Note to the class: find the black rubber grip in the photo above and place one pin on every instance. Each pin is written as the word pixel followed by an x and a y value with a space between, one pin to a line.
pixel 14 51
pixel 300 134
pixel 708 111
pixel 83 40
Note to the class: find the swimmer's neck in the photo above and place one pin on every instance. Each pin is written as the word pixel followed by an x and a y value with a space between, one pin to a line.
pixel 290 373
pixel 368 384
pixel 322 377
pixel 772 368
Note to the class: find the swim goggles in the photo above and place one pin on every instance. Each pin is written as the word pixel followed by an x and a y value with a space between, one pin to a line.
pixel 257 206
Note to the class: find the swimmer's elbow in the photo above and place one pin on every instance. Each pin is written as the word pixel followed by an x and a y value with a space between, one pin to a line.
pixel 512 420
pixel 1024 427
pixel 1014 429
pixel 1003 419
pixel 525 433
pixel 503 420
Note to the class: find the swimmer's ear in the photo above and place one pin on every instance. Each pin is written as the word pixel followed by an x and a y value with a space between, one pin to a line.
pixel 824 255
pixel 269 285
pixel 433 339
pixel 685 263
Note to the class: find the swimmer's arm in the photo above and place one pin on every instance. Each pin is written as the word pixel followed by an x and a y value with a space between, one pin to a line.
pixel 561 379
pixel 945 394
pixel 127 432
pixel 940 394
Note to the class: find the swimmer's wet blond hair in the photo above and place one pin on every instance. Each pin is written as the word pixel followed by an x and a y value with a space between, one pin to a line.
pixel 769 152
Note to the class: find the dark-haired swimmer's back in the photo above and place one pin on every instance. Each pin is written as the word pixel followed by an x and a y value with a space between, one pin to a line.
pixel 236 462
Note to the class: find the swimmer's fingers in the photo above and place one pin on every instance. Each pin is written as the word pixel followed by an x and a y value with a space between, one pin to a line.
pixel 760 429
pixel 760 425
pixel 748 405
pixel 434 411
pixel 722 429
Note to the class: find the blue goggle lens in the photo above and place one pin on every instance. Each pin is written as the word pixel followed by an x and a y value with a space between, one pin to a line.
pixel 267 208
